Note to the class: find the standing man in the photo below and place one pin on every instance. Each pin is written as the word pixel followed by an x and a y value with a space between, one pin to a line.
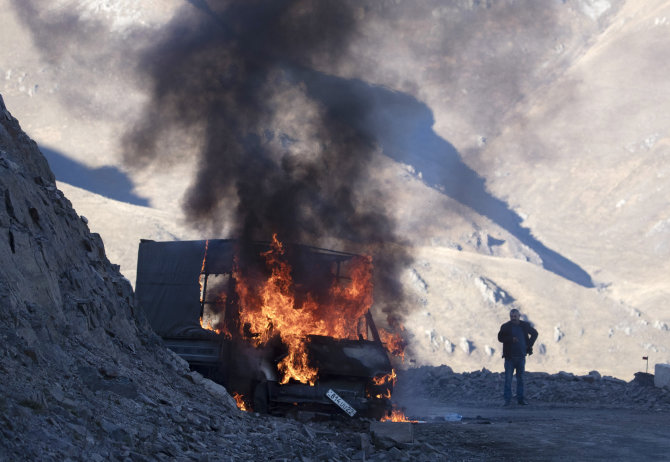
pixel 517 337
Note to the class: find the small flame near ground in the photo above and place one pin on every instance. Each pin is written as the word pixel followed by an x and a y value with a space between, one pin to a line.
pixel 397 415
pixel 239 400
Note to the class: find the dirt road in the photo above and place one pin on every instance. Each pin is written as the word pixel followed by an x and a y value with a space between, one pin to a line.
pixel 541 432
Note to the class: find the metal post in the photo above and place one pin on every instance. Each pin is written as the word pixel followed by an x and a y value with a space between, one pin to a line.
pixel 204 295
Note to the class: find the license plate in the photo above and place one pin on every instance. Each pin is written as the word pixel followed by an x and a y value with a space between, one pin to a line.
pixel 346 407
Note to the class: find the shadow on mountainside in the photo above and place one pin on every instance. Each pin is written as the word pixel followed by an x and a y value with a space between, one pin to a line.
pixel 106 181
pixel 403 127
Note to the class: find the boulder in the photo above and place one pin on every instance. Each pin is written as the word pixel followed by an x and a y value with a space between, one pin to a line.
pixel 391 432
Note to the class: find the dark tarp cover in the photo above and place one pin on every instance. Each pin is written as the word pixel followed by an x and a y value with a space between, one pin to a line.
pixel 168 278
pixel 168 286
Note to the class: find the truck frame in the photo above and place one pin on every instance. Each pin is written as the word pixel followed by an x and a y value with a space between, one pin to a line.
pixel 187 289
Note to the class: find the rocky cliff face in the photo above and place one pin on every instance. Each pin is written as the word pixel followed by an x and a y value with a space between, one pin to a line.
pixel 56 283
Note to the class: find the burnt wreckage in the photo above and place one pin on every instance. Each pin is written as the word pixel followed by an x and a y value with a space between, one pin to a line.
pixel 194 294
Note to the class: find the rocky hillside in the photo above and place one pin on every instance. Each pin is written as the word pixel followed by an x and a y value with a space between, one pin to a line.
pixel 418 388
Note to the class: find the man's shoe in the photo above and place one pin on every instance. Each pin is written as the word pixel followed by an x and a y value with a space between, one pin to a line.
pixel 523 402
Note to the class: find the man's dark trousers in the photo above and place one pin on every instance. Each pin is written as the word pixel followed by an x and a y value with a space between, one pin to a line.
pixel 511 364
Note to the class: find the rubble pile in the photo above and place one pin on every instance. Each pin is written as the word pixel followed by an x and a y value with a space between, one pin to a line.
pixel 98 407
pixel 442 385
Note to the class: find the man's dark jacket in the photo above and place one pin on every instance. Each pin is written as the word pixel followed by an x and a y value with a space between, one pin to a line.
pixel 505 336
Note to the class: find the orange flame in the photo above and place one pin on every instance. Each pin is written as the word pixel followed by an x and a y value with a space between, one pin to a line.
pixel 384 379
pixel 204 258
pixel 397 416
pixel 271 308
pixel 239 400
pixel 208 325
pixel 387 380
pixel 393 342
pixel 386 395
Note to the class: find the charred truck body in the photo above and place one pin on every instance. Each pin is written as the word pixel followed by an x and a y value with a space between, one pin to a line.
pixel 282 328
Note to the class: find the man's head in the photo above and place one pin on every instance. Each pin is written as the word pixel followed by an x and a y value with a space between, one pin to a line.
pixel 515 316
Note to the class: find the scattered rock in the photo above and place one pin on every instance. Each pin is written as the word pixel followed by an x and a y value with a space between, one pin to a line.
pixel 389 434
pixel 492 292
pixel 482 388
pixel 558 334
pixel 418 281
pixel 466 345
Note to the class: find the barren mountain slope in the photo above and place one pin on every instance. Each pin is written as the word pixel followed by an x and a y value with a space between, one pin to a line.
pixel 586 160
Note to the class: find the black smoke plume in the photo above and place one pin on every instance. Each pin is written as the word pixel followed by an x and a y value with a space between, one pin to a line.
pixel 273 159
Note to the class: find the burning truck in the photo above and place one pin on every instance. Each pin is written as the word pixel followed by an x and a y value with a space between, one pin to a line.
pixel 283 328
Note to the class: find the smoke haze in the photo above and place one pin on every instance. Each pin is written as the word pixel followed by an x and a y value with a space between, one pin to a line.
pixel 272 159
